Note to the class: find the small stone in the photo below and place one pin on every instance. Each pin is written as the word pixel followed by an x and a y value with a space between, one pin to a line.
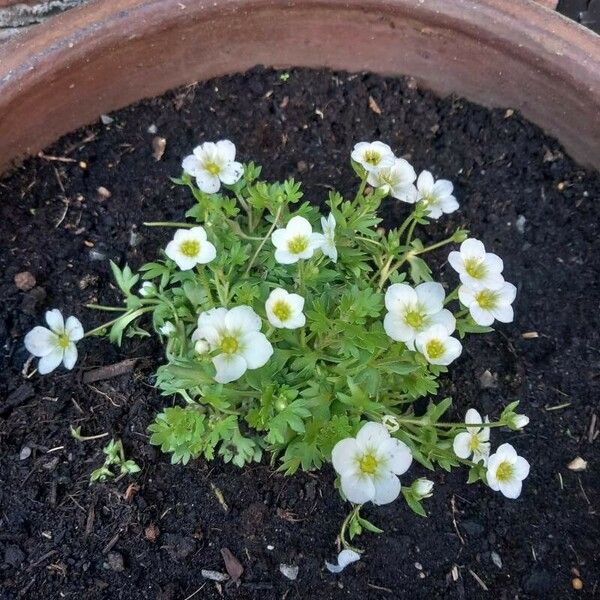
pixel 509 113
pixel 96 255
pixel 289 571
pixel 302 166
pixel 25 281
pixel 496 559
pixel 577 583
pixel 116 562
pixel 106 120
pixel 151 533
pixel 152 129
pixel 104 193
pixel 83 164
pixel 134 238
pixel 419 566
pixel 520 224
pixel 214 575
pixel 25 453
pixel 270 547
pixel 488 380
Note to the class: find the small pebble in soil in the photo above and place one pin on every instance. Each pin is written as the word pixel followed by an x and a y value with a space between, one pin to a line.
pixel 488 379
pixel 106 120
pixel 25 453
pixel 214 575
pixel 115 562
pixel 289 571
pixel 104 193
pixel 25 281
pixel 577 583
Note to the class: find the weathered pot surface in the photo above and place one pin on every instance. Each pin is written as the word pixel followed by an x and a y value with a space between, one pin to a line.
pixel 95 59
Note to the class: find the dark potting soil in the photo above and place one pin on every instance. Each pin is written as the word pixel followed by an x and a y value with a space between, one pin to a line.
pixel 150 536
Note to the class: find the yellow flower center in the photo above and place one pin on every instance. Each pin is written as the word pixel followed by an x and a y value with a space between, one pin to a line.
pixel 475 268
pixel 435 349
pixel 298 244
pixel 282 310
pixel 368 464
pixel 372 157
pixel 429 200
pixel 505 471
pixel 474 443
pixel 229 344
pixel 415 318
pixel 487 299
pixel 213 168
pixel 190 248
pixel 63 341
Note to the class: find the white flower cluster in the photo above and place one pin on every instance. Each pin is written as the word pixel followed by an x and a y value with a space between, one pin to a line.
pixel 396 177
pixel 505 470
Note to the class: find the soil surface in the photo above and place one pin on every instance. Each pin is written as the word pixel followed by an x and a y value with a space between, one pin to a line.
pixel 62 538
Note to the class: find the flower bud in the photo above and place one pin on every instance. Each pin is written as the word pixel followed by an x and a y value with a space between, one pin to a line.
pixel 167 329
pixel 201 346
pixel 147 289
pixel 423 488
pixel 460 235
pixel 517 422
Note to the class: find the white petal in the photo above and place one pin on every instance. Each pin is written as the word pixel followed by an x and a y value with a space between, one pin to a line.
pixel 473 418
pixel 444 318
pixel 70 356
pixel 49 362
pixel 443 188
pixel 345 557
pixel 344 456
pixel 431 296
pixel 507 293
pixel 397 329
pixel 194 233
pixel 230 367
pixel 466 295
pixel 521 468
pixel 74 329
pixel 398 454
pixel 279 238
pixel 215 317
pixel 494 263
pixel 256 349
pixel 511 489
pixel 298 226
pixel 449 204
pixel 207 182
pixel 399 295
pixel 434 211
pixel 40 341
pixel 357 489
pixel 191 165
pixel 226 150
pixel 506 452
pixel 425 183
pixel 372 435
pixel 231 173
pixel 462 445
pixel 453 351
pixel 207 253
pixel 387 488
pixel 473 248
pixel 283 257
pixel 481 316
pixel 504 314
pixel 456 261
pixel 242 319
pixel 55 321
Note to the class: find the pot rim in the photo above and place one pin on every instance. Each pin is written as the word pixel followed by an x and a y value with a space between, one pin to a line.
pixel 523 35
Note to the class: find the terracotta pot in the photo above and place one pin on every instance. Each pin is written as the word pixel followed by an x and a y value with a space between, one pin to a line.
pixel 92 60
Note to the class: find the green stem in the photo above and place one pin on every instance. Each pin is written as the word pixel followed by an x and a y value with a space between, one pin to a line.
pixel 361 187
pixel 169 224
pixel 264 241
pixel 434 246
pixel 342 535
pixel 107 308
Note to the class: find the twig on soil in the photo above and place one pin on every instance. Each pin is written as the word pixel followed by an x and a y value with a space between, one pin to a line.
pixel 89 522
pixel 219 495
pixel 454 512
pixel 380 588
pixel 479 580
pixel 592 430
pixel 112 543
pixel 56 158
pixel 42 558
pixel 194 593
pixel 109 371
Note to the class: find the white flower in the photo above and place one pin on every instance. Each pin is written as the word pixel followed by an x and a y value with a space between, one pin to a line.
pixel 475 440
pixel 369 464
pixel 423 488
pixel 296 241
pixel 437 346
pixel 284 310
pixel 147 289
pixel 436 196
pixel 411 311
pixel 396 180
pixel 57 344
pixel 236 334
pixel 373 155
pixel 518 422
pixel 345 557
pixel 506 471
pixel 201 346
pixel 328 240
pixel 167 329
pixel 189 247
pixel 486 304
pixel 212 164
pixel 476 267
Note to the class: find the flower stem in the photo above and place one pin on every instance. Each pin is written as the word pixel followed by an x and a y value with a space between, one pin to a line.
pixel 264 241
pixel 361 187
pixel 107 308
pixel 169 224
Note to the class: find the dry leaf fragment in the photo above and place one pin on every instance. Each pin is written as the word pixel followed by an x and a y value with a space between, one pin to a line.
pixel 577 464
pixel 374 106
pixel 232 564
pixel 158 147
